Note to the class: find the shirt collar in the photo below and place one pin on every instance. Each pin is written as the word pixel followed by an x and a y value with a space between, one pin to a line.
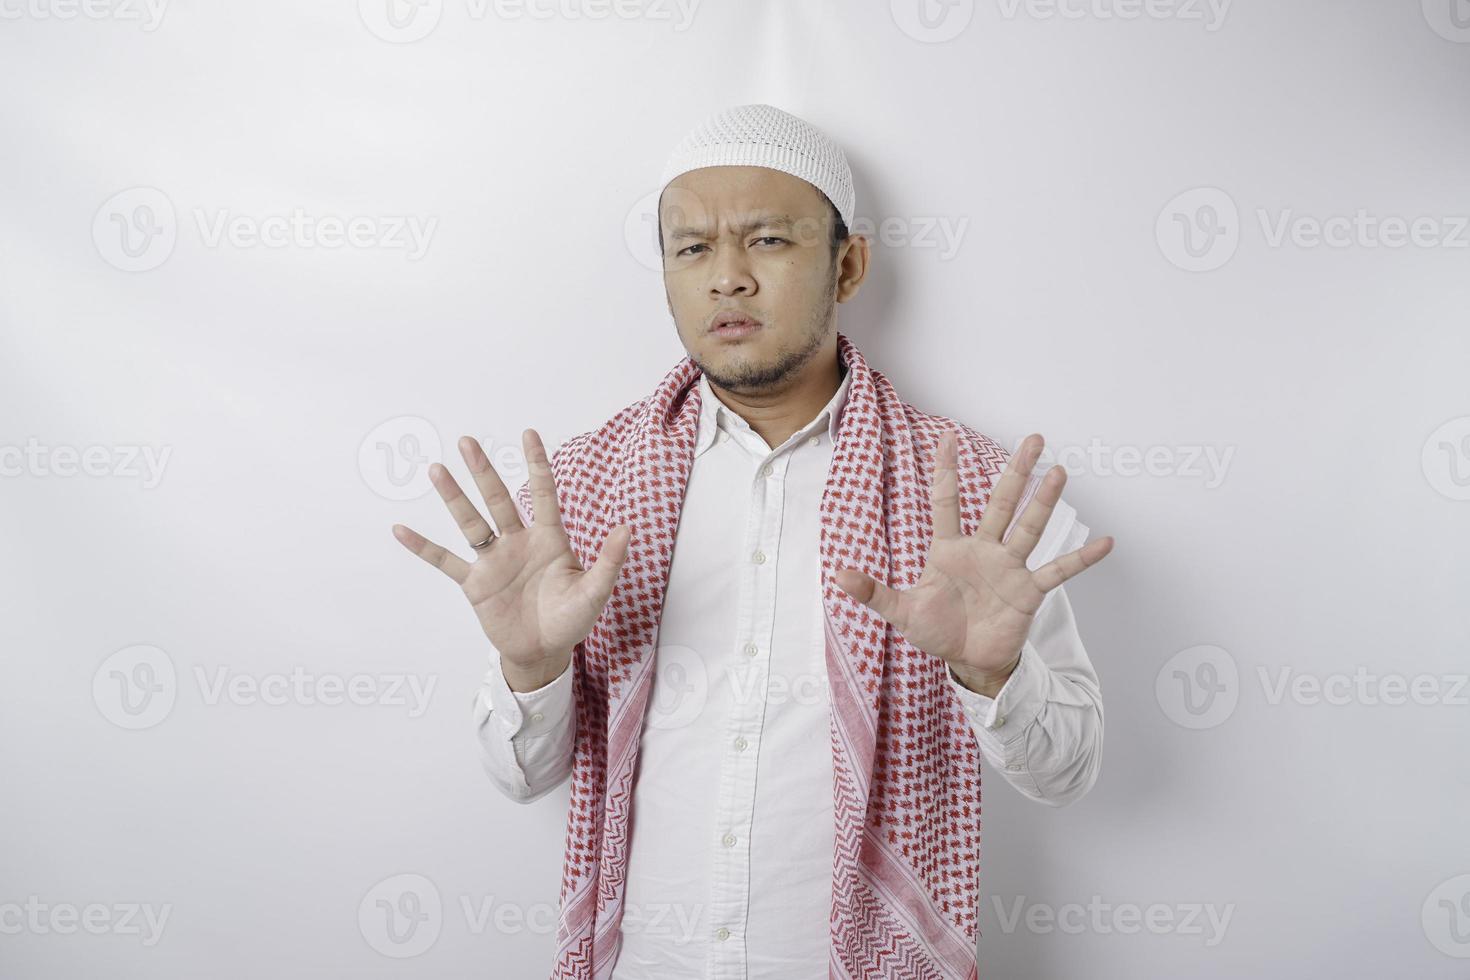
pixel 715 415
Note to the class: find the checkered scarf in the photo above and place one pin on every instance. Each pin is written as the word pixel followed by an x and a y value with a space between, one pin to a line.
pixel 906 793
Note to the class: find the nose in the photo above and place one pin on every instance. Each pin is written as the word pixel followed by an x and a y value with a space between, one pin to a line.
pixel 730 273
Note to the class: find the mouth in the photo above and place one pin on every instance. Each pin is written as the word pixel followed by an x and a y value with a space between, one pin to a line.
pixel 731 325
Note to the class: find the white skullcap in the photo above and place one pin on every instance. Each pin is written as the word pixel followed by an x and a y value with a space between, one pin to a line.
pixel 764 136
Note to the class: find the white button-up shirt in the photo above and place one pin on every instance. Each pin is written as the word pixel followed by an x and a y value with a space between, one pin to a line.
pixel 730 863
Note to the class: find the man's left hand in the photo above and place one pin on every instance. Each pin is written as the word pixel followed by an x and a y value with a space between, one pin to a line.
pixel 975 601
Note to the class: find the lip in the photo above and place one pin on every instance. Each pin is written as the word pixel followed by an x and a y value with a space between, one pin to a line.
pixel 732 323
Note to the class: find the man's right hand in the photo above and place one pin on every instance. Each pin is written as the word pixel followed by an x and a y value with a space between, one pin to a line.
pixel 532 596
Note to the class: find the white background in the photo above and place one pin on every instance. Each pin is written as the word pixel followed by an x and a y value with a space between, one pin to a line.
pixel 1054 143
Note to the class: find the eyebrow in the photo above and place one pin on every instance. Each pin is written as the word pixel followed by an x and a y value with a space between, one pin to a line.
pixel 784 221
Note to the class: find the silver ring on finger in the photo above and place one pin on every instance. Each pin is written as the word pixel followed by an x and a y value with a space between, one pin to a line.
pixel 484 544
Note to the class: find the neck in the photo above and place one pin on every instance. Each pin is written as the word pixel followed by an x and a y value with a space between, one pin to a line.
pixel 776 413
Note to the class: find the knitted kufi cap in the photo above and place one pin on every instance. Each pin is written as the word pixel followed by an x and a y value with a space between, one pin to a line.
pixel 764 136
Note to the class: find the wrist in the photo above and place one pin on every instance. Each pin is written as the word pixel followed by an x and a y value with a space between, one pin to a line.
pixel 522 678
pixel 987 683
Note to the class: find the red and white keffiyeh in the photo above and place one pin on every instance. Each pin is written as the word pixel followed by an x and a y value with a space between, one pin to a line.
pixel 906 791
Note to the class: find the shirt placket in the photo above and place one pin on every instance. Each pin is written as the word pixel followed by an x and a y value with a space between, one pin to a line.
pixel 749 666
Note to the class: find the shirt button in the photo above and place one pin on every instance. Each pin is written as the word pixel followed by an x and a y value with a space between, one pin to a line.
pixel 722 933
pixel 999 720
pixel 537 716
pixel 1014 767
pixel 728 840
pixel 813 441
pixel 766 470
pixel 759 557
pixel 751 649
pixel 741 743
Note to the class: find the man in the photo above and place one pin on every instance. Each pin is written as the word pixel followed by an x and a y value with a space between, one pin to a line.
pixel 770 617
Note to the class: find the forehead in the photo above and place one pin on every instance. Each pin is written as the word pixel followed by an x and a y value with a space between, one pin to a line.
pixel 735 195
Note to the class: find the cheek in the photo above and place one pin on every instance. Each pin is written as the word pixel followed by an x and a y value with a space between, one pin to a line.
pixel 688 311
pixel 794 287
pixel 681 293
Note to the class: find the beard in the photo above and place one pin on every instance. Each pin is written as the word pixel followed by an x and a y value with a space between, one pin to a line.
pixel 747 374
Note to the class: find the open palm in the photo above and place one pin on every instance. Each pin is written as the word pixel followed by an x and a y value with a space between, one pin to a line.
pixel 975 600
pixel 529 591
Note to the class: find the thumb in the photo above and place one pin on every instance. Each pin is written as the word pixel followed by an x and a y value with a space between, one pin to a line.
pixel 870 592
pixel 603 574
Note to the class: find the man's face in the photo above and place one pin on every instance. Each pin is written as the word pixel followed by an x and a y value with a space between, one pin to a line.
pixel 754 241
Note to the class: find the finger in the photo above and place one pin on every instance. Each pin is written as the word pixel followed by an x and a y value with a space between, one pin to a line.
pixel 441 558
pixel 874 594
pixel 1058 570
pixel 944 494
pixel 543 488
pixel 492 489
pixel 1007 491
pixel 603 574
pixel 1033 519
pixel 472 523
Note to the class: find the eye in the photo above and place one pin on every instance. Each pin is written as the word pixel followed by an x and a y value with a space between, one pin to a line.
pixel 683 250
pixel 770 238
